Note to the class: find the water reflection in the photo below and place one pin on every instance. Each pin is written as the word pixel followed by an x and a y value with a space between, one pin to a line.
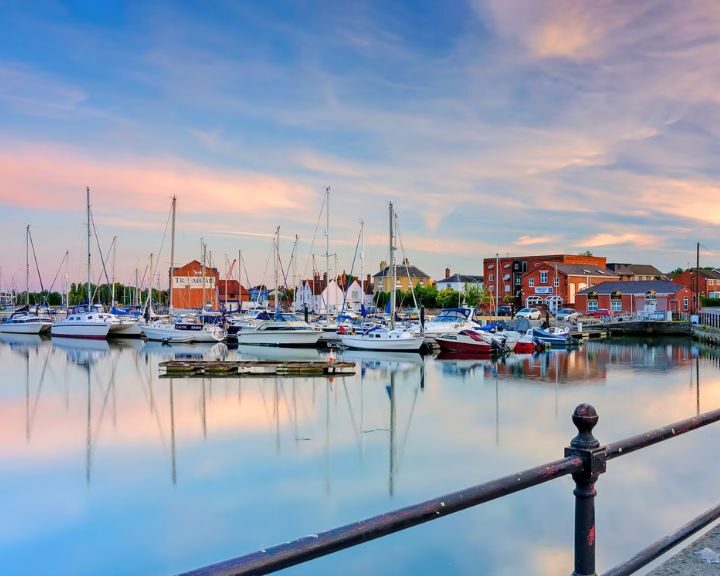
pixel 294 455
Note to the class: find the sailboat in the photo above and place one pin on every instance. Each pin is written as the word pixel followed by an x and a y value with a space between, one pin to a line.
pixel 85 321
pixel 22 321
pixel 381 337
pixel 282 329
pixel 188 328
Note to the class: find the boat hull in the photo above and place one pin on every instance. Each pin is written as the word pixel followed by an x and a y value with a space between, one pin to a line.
pixel 172 334
pixel 384 344
pixel 25 327
pixel 279 338
pixel 126 330
pixel 479 348
pixel 87 330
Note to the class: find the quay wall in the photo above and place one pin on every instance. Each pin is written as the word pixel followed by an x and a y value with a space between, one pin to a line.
pixel 649 328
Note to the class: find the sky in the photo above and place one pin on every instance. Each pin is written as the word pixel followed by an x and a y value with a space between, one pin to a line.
pixel 494 126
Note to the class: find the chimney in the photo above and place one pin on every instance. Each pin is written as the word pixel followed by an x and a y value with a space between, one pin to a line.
pixel 406 262
pixel 383 265
pixel 447 272
pixel 368 283
pixel 325 278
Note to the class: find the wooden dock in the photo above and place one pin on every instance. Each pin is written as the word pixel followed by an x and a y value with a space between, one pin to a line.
pixel 234 368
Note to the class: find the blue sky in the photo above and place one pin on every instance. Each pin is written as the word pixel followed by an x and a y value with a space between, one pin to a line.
pixel 511 126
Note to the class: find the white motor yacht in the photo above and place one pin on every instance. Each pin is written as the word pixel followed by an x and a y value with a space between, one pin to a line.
pixel 22 322
pixel 449 321
pixel 185 329
pixel 84 322
pixel 283 330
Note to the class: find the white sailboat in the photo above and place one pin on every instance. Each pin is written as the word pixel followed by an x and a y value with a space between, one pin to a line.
pixel 22 321
pixel 282 329
pixel 186 329
pixel 85 321
pixel 380 337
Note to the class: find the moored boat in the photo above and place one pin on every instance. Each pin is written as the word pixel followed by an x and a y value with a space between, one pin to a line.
pixel 468 341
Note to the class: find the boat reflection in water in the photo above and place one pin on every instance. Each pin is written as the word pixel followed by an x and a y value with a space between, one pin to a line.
pixel 141 453
pixel 250 352
pixel 21 342
pixel 82 352
pixel 181 351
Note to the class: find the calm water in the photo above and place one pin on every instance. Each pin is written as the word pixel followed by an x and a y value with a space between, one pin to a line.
pixel 108 468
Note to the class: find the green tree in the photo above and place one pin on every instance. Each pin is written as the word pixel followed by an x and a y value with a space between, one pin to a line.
pixel 447 298
pixel 586 253
pixel 426 296
pixel 676 272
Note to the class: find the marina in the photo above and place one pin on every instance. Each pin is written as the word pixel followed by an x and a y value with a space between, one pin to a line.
pixel 78 416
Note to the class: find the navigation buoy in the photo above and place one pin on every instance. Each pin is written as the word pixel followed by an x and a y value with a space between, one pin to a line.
pixel 332 355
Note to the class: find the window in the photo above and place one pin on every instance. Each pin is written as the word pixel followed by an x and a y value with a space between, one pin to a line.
pixel 531 282
pixel 543 277
pixel 507 287
pixel 592 305
pixel 355 294
pixel 506 277
pixel 492 277
pixel 491 288
pixel 556 282
pixel 686 303
pixel 616 305
pixel 491 266
pixel 518 280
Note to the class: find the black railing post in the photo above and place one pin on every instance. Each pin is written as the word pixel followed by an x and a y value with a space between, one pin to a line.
pixel 587 447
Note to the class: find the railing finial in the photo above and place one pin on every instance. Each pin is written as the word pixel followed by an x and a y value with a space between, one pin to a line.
pixel 585 418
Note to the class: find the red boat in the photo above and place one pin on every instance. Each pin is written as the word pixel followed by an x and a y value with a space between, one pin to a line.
pixel 466 341
pixel 526 345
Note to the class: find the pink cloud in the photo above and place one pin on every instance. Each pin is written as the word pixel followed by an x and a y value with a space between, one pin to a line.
pixel 55 177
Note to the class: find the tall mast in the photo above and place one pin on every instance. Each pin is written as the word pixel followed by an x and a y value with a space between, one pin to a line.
pixel 172 259
pixel 112 290
pixel 277 255
pixel 202 274
pixel 362 263
pixel 27 265
pixel 89 295
pixel 239 308
pixel 327 250
pixel 392 270
pixel 67 261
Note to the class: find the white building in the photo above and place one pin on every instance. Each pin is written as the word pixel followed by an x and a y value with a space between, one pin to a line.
pixel 458 282
pixel 317 296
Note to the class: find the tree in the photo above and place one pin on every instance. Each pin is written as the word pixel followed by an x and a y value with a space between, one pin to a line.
pixel 447 298
pixel 472 295
pixel 586 253
pixel 676 272
pixel 426 296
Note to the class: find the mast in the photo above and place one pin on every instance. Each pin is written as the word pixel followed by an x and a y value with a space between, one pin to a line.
pixel 112 290
pixel 172 259
pixel 277 255
pixel 362 264
pixel 697 279
pixel 239 308
pixel 392 270
pixel 202 274
pixel 327 251
pixel 27 265
pixel 497 283
pixel 67 260
pixel 89 294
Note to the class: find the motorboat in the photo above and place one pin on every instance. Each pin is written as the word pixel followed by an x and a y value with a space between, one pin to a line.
pixel 187 329
pixel 449 321
pixel 284 329
pixel 85 321
pixel 382 338
pixel 127 326
pixel 23 322
pixel 555 336
pixel 469 341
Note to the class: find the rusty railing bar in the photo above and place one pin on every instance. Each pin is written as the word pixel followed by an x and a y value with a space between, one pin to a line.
pixel 633 443
pixel 309 547
pixel 657 549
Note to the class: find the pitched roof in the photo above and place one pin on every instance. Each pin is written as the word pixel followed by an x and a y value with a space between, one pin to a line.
pixel 467 278
pixel 635 269
pixel 710 274
pixel 634 287
pixel 579 270
pixel 402 272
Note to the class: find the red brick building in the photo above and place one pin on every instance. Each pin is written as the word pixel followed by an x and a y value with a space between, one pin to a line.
pixel 709 283
pixel 191 285
pixel 635 297
pixel 232 294
pixel 504 275
pixel 555 284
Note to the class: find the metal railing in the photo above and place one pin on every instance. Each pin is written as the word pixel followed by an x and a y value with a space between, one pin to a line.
pixel 585 459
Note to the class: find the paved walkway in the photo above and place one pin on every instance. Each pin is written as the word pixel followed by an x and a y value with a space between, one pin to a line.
pixel 701 558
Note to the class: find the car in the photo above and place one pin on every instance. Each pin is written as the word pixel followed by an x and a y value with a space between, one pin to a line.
pixel 504 311
pixel 529 313
pixel 567 314
pixel 599 313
